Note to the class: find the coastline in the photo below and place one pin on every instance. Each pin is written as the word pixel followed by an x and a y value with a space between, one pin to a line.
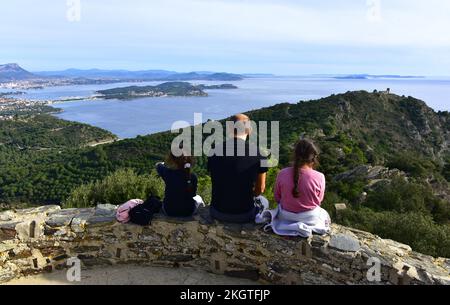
pixel 148 115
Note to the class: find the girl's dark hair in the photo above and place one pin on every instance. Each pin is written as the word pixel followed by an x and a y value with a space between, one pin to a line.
pixel 306 152
pixel 184 163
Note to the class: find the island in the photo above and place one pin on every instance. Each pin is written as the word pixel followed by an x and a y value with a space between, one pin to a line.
pixel 369 76
pixel 163 90
pixel 217 87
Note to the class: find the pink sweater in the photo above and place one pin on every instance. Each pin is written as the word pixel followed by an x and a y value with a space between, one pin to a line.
pixel 311 188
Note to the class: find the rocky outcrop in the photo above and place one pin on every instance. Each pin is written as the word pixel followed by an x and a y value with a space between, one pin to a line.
pixel 43 239
pixel 370 173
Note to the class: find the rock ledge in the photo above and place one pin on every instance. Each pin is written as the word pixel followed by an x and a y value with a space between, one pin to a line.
pixel 42 239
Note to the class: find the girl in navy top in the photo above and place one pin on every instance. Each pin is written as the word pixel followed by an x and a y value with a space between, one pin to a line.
pixel 181 186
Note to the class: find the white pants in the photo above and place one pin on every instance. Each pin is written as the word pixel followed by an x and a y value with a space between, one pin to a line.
pixel 304 224
pixel 199 201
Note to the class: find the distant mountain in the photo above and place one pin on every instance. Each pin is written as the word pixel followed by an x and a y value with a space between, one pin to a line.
pixel 98 73
pixel 13 72
pixel 216 87
pixel 210 77
pixel 224 76
pixel 149 75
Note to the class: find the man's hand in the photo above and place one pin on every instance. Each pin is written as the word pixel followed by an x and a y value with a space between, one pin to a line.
pixel 260 186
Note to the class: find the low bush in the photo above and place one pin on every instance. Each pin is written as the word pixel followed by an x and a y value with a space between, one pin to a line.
pixel 116 189
pixel 412 228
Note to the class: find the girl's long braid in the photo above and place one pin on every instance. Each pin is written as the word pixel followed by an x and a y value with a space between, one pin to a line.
pixel 297 165
pixel 305 153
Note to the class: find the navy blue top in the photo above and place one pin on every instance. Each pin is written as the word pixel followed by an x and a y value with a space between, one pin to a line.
pixel 179 199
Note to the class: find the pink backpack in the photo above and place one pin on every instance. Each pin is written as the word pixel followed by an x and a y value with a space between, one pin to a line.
pixel 123 212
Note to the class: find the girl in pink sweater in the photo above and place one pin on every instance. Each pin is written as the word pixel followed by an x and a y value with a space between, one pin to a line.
pixel 301 188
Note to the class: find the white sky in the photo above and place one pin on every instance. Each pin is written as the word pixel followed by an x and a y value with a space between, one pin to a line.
pixel 283 36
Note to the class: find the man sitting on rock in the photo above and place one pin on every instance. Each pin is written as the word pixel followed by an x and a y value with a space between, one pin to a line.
pixel 238 176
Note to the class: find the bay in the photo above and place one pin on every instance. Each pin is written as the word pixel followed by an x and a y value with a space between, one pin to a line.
pixel 131 118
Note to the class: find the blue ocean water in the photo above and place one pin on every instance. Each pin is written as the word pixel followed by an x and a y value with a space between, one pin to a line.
pixel 128 119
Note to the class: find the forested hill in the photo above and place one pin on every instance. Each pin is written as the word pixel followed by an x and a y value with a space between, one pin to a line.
pixel 365 127
pixel 45 132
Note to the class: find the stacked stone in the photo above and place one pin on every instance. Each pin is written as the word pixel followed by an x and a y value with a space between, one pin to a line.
pixel 43 239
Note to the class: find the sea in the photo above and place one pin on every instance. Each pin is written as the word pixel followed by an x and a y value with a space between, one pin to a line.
pixel 143 116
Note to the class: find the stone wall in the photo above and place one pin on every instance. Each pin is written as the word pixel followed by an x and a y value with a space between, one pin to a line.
pixel 43 239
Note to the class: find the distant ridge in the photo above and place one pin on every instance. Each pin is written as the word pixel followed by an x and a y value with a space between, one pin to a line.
pixel 99 73
pixel 13 72
pixel 150 75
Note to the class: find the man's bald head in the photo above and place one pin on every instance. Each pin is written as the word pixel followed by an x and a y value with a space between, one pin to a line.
pixel 240 118
pixel 242 126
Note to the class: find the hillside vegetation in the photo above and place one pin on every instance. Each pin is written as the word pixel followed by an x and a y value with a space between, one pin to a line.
pixel 47 132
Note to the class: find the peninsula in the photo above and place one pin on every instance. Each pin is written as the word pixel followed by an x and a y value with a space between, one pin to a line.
pixel 162 90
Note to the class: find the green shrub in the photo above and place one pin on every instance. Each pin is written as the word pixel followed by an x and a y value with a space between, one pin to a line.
pixel 270 186
pixel 413 164
pixel 349 190
pixel 331 198
pixel 404 196
pixel 440 210
pixel 415 229
pixel 205 189
pixel 116 189
pixel 446 169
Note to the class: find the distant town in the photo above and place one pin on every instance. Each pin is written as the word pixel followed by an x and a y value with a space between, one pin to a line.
pixel 10 108
pixel 54 82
